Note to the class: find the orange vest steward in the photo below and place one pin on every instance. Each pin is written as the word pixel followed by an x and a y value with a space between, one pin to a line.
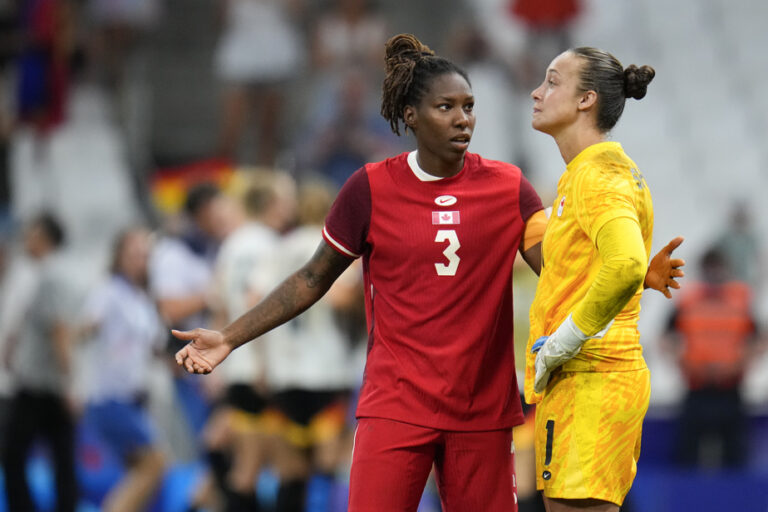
pixel 715 323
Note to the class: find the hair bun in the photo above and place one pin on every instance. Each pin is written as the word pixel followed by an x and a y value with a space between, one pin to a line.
pixel 405 48
pixel 636 80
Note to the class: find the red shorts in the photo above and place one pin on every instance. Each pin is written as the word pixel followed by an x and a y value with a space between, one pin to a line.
pixel 392 460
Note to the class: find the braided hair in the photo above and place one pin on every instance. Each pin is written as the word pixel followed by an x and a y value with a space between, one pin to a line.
pixel 410 67
pixel 604 74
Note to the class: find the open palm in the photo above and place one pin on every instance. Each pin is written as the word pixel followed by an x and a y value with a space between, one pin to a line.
pixel 205 350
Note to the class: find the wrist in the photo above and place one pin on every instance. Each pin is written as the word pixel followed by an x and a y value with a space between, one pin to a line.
pixel 229 339
pixel 569 336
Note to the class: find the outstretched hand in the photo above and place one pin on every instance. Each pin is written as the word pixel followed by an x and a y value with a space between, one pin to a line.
pixel 205 350
pixel 663 269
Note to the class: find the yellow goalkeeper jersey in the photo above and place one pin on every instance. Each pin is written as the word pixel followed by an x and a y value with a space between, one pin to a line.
pixel 600 184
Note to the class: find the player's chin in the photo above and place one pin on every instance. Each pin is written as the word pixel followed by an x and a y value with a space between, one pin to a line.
pixel 538 124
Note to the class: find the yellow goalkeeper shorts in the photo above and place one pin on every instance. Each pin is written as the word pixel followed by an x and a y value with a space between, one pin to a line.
pixel 588 430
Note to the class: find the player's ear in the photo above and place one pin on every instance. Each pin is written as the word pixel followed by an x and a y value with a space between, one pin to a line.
pixel 410 117
pixel 587 100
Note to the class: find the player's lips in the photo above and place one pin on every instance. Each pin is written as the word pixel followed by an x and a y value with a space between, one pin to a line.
pixel 461 141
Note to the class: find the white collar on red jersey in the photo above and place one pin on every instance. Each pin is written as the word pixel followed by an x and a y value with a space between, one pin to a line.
pixel 420 173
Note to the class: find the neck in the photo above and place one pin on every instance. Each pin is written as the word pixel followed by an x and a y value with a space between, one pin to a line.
pixel 575 139
pixel 436 166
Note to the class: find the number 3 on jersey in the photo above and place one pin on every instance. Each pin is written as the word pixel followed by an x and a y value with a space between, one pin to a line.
pixel 448 235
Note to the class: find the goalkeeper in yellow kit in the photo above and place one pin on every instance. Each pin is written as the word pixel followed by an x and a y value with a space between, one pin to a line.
pixel 585 368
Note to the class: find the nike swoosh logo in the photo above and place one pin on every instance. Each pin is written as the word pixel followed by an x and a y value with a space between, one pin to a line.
pixel 445 201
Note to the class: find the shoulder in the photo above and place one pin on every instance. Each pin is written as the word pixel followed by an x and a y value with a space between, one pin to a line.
pixel 107 291
pixel 739 291
pixel 607 161
pixel 603 175
pixel 392 164
pixel 487 165
pixel 170 254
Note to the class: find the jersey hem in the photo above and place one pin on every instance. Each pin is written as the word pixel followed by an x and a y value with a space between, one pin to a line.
pixel 514 422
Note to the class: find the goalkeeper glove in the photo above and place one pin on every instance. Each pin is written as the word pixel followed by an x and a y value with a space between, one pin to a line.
pixel 557 348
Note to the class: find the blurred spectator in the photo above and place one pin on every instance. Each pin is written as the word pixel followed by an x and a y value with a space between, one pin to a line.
pixel 712 330
pixel 234 437
pixel 11 301
pixel 547 24
pixel 259 51
pixel 181 264
pixel 349 35
pixel 180 279
pixel 495 136
pixel 125 333
pixel 118 31
pixel 45 37
pixel 348 134
pixel 309 374
pixel 47 42
pixel 741 247
pixel 119 59
pixel 8 46
pixel 39 350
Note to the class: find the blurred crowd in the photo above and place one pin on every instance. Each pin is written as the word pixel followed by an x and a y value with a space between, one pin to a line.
pixel 296 102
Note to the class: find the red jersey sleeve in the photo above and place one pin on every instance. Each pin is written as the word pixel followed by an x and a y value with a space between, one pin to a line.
pixel 347 223
pixel 530 202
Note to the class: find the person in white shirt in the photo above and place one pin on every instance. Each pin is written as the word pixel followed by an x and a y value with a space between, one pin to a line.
pixel 37 348
pixel 180 282
pixel 125 332
pixel 234 437
pixel 309 365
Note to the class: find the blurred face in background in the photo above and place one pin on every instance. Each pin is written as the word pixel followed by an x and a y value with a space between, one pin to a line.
pixel 218 217
pixel 36 242
pixel 133 255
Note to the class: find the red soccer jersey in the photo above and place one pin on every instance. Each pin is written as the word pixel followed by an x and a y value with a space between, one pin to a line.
pixel 437 263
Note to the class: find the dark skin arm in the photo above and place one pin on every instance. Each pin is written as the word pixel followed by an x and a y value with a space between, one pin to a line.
pixel 533 257
pixel 207 348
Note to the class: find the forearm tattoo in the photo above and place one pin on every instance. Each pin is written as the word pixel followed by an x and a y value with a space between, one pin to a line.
pixel 293 296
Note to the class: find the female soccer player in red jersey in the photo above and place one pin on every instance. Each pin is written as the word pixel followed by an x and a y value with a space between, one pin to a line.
pixel 437 229
pixel 585 366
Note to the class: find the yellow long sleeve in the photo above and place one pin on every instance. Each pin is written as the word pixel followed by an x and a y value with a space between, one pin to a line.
pixel 621 248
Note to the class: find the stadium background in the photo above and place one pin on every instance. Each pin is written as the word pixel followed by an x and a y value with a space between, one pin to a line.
pixel 699 137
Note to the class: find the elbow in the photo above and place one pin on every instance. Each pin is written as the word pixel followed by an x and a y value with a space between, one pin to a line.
pixel 631 274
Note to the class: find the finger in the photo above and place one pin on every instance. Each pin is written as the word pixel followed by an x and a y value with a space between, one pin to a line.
pixel 181 355
pixel 667 293
pixel 184 335
pixel 677 273
pixel 189 365
pixel 673 244
pixel 677 262
pixel 674 284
